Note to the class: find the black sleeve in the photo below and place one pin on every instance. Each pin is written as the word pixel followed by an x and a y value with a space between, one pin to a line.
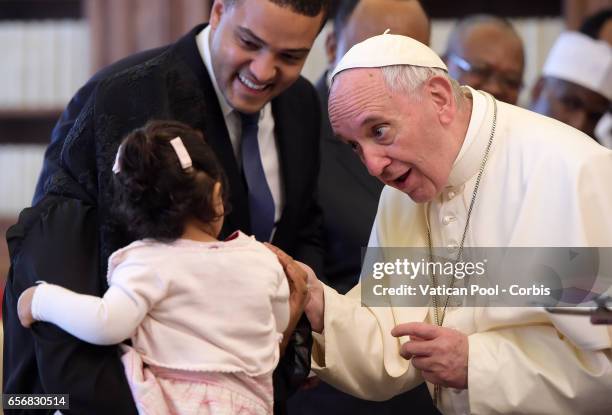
pixel 51 161
pixel 58 135
pixel 57 241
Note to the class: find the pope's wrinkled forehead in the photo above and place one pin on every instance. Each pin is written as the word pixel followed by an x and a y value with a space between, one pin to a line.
pixel 355 93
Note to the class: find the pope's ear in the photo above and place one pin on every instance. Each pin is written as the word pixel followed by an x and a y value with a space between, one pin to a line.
pixel 440 91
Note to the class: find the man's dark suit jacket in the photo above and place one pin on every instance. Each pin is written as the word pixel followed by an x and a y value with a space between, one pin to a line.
pixel 348 196
pixel 67 236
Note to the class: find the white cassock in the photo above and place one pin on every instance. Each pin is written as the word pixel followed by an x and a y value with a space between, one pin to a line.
pixel 545 184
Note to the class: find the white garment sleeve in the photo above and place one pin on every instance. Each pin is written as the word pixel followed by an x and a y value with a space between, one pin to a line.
pixel 356 352
pixel 107 320
pixel 280 304
pixel 534 369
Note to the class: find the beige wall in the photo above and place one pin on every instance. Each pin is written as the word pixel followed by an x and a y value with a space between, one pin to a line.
pixel 122 27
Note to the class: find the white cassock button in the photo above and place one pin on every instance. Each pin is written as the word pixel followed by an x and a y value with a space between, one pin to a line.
pixel 450 194
pixel 453 245
pixel 448 219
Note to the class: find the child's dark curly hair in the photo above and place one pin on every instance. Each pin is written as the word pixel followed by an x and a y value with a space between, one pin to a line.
pixel 153 196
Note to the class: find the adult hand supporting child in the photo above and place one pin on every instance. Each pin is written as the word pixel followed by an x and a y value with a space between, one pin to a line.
pixel 297 277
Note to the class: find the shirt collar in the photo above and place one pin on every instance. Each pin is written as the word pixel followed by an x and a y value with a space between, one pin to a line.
pixel 468 162
pixel 202 40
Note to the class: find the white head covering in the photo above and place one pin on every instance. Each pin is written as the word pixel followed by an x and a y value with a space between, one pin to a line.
pixel 388 50
pixel 582 60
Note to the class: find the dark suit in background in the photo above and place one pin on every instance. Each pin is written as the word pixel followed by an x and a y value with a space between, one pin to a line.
pixel 67 236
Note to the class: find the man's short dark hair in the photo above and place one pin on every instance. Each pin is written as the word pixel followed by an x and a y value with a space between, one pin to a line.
pixel 306 7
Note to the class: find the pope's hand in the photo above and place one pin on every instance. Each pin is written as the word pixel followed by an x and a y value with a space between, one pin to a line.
pixel 440 353
pixel 298 291
pixel 315 306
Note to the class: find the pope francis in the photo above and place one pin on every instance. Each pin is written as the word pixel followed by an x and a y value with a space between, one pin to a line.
pixel 463 170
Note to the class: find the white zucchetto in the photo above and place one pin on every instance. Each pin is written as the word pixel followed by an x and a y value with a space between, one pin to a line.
pixel 388 50
pixel 577 58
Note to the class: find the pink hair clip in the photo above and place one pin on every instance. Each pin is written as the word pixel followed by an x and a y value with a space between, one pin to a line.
pixel 181 152
pixel 177 145
pixel 116 166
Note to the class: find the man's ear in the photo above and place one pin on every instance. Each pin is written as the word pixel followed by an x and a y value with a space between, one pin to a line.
pixel 217 10
pixel 331 46
pixel 440 90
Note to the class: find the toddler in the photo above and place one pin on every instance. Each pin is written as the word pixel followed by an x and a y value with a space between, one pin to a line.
pixel 205 317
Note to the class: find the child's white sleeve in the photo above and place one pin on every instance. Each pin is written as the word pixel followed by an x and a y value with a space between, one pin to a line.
pixel 280 303
pixel 103 321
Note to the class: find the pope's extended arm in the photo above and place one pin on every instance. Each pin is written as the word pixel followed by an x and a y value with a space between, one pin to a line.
pixel 356 352
pixel 529 368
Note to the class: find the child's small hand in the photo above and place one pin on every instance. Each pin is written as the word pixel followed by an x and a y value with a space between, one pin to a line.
pixel 24 307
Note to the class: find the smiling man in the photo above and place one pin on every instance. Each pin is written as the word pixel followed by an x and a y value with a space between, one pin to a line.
pixel 462 169
pixel 236 79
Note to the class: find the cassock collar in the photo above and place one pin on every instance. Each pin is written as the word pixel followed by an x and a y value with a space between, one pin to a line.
pixel 202 40
pixel 476 139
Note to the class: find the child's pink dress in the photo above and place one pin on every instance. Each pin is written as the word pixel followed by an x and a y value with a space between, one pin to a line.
pixel 205 320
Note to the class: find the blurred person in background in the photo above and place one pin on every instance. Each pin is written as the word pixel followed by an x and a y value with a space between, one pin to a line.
pixel 599 26
pixel 485 52
pixel 576 82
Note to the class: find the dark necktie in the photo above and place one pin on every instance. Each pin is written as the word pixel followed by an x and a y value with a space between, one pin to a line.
pixel 261 203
